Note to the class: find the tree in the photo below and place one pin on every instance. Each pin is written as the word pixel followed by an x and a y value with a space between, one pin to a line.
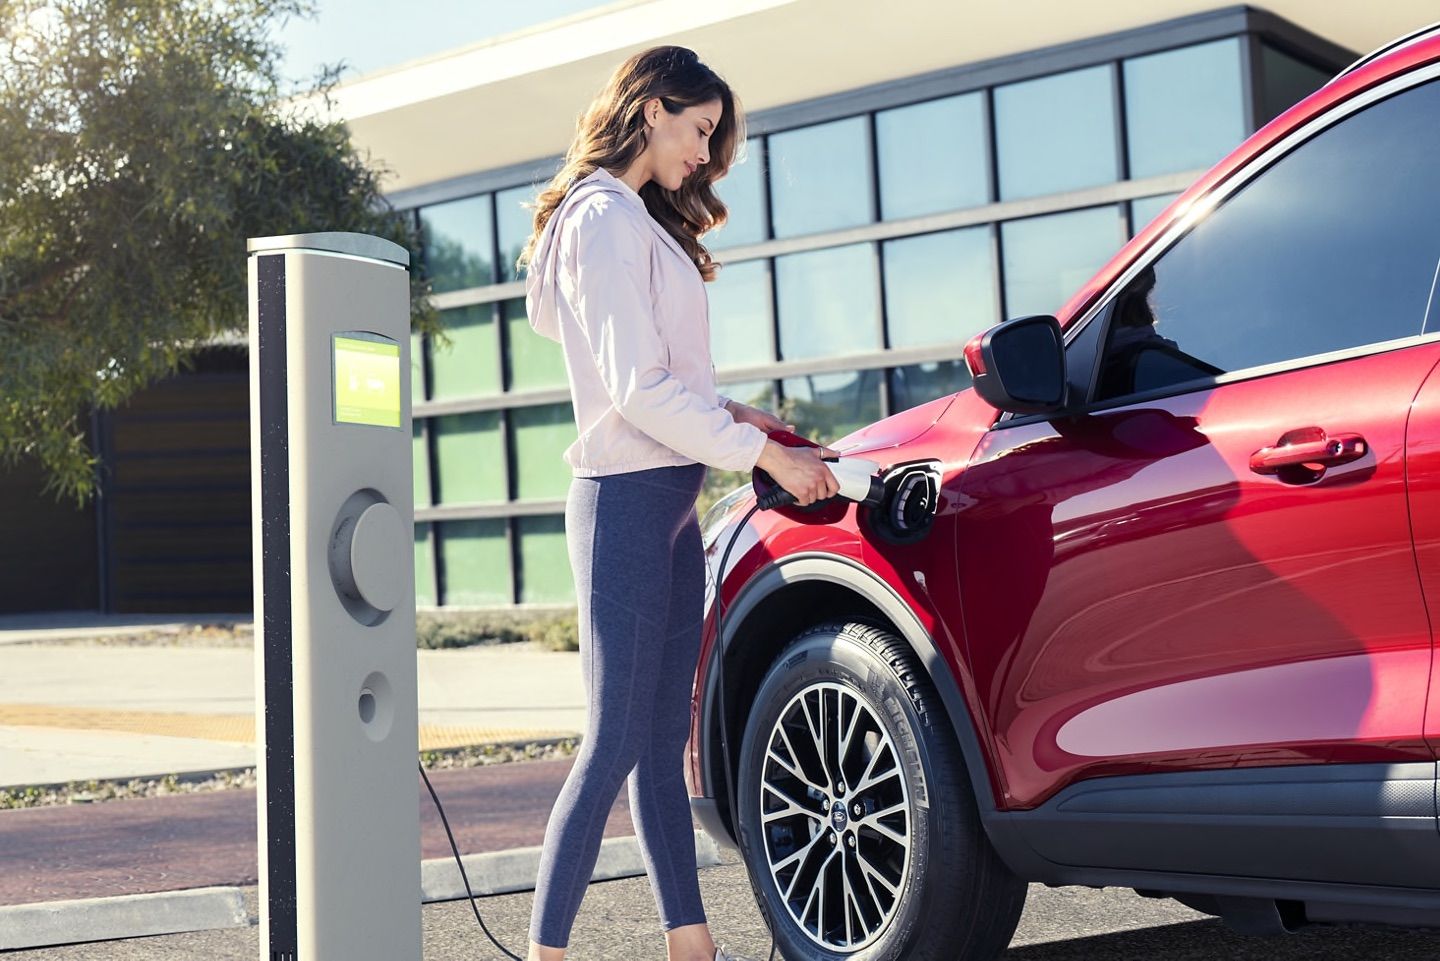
pixel 141 143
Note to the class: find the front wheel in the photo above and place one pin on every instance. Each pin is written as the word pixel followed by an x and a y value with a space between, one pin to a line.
pixel 857 821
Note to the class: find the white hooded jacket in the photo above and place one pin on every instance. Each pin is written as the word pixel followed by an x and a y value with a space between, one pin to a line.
pixel 629 310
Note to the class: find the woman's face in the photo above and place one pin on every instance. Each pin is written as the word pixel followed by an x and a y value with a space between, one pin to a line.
pixel 680 142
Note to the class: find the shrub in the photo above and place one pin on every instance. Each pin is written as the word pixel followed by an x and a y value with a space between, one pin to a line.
pixel 552 630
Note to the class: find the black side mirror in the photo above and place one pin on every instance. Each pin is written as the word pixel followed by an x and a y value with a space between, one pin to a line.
pixel 1019 366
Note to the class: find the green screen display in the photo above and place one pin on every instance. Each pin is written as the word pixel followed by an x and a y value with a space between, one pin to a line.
pixel 367 382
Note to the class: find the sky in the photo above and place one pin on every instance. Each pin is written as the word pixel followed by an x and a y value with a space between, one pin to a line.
pixel 370 35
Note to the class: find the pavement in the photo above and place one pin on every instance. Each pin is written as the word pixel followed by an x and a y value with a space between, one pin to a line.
pixel 76 712
pixel 618 921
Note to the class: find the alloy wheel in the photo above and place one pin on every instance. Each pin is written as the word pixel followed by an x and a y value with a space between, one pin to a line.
pixel 835 816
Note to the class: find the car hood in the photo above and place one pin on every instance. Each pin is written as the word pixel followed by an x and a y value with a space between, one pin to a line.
pixel 884 437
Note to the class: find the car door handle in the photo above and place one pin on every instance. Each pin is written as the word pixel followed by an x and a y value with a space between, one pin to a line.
pixel 1309 449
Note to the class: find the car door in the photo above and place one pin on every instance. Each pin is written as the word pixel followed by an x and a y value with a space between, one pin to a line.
pixel 1207 563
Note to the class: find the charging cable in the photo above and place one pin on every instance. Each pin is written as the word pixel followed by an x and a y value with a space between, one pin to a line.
pixel 461 865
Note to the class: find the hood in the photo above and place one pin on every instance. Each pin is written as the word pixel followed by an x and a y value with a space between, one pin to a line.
pixel 881 440
pixel 542 274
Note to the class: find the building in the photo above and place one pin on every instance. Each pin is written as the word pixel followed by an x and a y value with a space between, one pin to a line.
pixel 916 171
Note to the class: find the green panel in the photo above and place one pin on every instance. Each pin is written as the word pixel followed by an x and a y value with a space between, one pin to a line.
pixel 535 361
pixel 420 464
pixel 541 436
pixel 545 576
pixel 470 365
pixel 470 457
pixel 475 556
pixel 424 576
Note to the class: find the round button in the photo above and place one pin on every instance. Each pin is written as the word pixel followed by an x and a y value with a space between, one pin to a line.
pixel 379 550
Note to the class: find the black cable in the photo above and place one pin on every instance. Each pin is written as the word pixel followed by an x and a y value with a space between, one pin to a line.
pixel 720 678
pixel 461 864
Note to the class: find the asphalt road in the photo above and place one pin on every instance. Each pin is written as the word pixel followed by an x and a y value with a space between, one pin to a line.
pixel 198 840
pixel 618 920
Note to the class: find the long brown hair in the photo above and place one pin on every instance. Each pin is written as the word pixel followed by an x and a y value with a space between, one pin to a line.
pixel 611 134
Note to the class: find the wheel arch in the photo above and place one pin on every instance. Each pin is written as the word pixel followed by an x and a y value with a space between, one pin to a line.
pixel 776 604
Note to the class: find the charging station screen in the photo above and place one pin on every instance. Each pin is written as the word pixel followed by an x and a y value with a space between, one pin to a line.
pixel 367 381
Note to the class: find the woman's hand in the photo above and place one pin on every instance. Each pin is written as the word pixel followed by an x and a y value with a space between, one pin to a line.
pixel 800 471
pixel 766 421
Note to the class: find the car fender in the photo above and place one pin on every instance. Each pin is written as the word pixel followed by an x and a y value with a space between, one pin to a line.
pixel 852 575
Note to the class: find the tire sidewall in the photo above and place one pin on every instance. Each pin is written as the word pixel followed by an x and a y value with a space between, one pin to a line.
pixel 830 653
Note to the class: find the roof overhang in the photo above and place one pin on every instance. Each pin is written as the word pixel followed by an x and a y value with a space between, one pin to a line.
pixel 516 98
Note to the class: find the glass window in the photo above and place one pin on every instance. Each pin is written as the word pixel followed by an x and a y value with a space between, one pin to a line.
pixel 513 223
pixel 743 191
pixel 535 362
pixel 1285 81
pixel 829 302
pixel 740 330
pixel 932 157
pixel 541 436
pixel 475 556
pixel 1056 133
pixel 470 457
pixel 544 574
pixel 1334 246
pixel 756 393
pixel 826 407
pixel 1146 209
pixel 1047 259
pixel 417 368
pixel 940 287
pixel 921 383
pixel 1184 109
pixel 820 177
pixel 419 463
pixel 424 572
pixel 458 238
pixel 718 483
pixel 470 365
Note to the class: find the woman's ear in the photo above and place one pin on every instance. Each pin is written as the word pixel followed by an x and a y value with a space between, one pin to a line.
pixel 652 111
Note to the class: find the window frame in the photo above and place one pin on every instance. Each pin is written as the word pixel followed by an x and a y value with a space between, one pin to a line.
pixel 1194 217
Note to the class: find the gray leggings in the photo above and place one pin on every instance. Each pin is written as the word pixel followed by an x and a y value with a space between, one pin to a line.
pixel 639 567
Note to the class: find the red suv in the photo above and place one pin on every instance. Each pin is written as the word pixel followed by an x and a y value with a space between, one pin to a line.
pixel 1150 606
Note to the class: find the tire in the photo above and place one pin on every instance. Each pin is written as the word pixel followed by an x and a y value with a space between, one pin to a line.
pixel 925 884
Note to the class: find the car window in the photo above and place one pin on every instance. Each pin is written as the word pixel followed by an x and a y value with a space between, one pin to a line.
pixel 1333 247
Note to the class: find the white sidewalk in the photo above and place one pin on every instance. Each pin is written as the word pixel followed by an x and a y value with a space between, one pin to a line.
pixel 74 712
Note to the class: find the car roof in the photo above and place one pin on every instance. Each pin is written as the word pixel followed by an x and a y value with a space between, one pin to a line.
pixel 1424 33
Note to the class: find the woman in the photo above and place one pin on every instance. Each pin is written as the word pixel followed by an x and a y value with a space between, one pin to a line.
pixel 615 274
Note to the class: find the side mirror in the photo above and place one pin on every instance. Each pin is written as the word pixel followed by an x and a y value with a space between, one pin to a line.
pixel 1019 366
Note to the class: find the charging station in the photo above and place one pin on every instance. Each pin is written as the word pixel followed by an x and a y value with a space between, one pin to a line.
pixel 333 520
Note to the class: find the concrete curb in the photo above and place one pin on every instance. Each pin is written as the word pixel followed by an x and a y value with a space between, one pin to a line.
pixel 505 872
pixel 202 909
pixel 128 916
